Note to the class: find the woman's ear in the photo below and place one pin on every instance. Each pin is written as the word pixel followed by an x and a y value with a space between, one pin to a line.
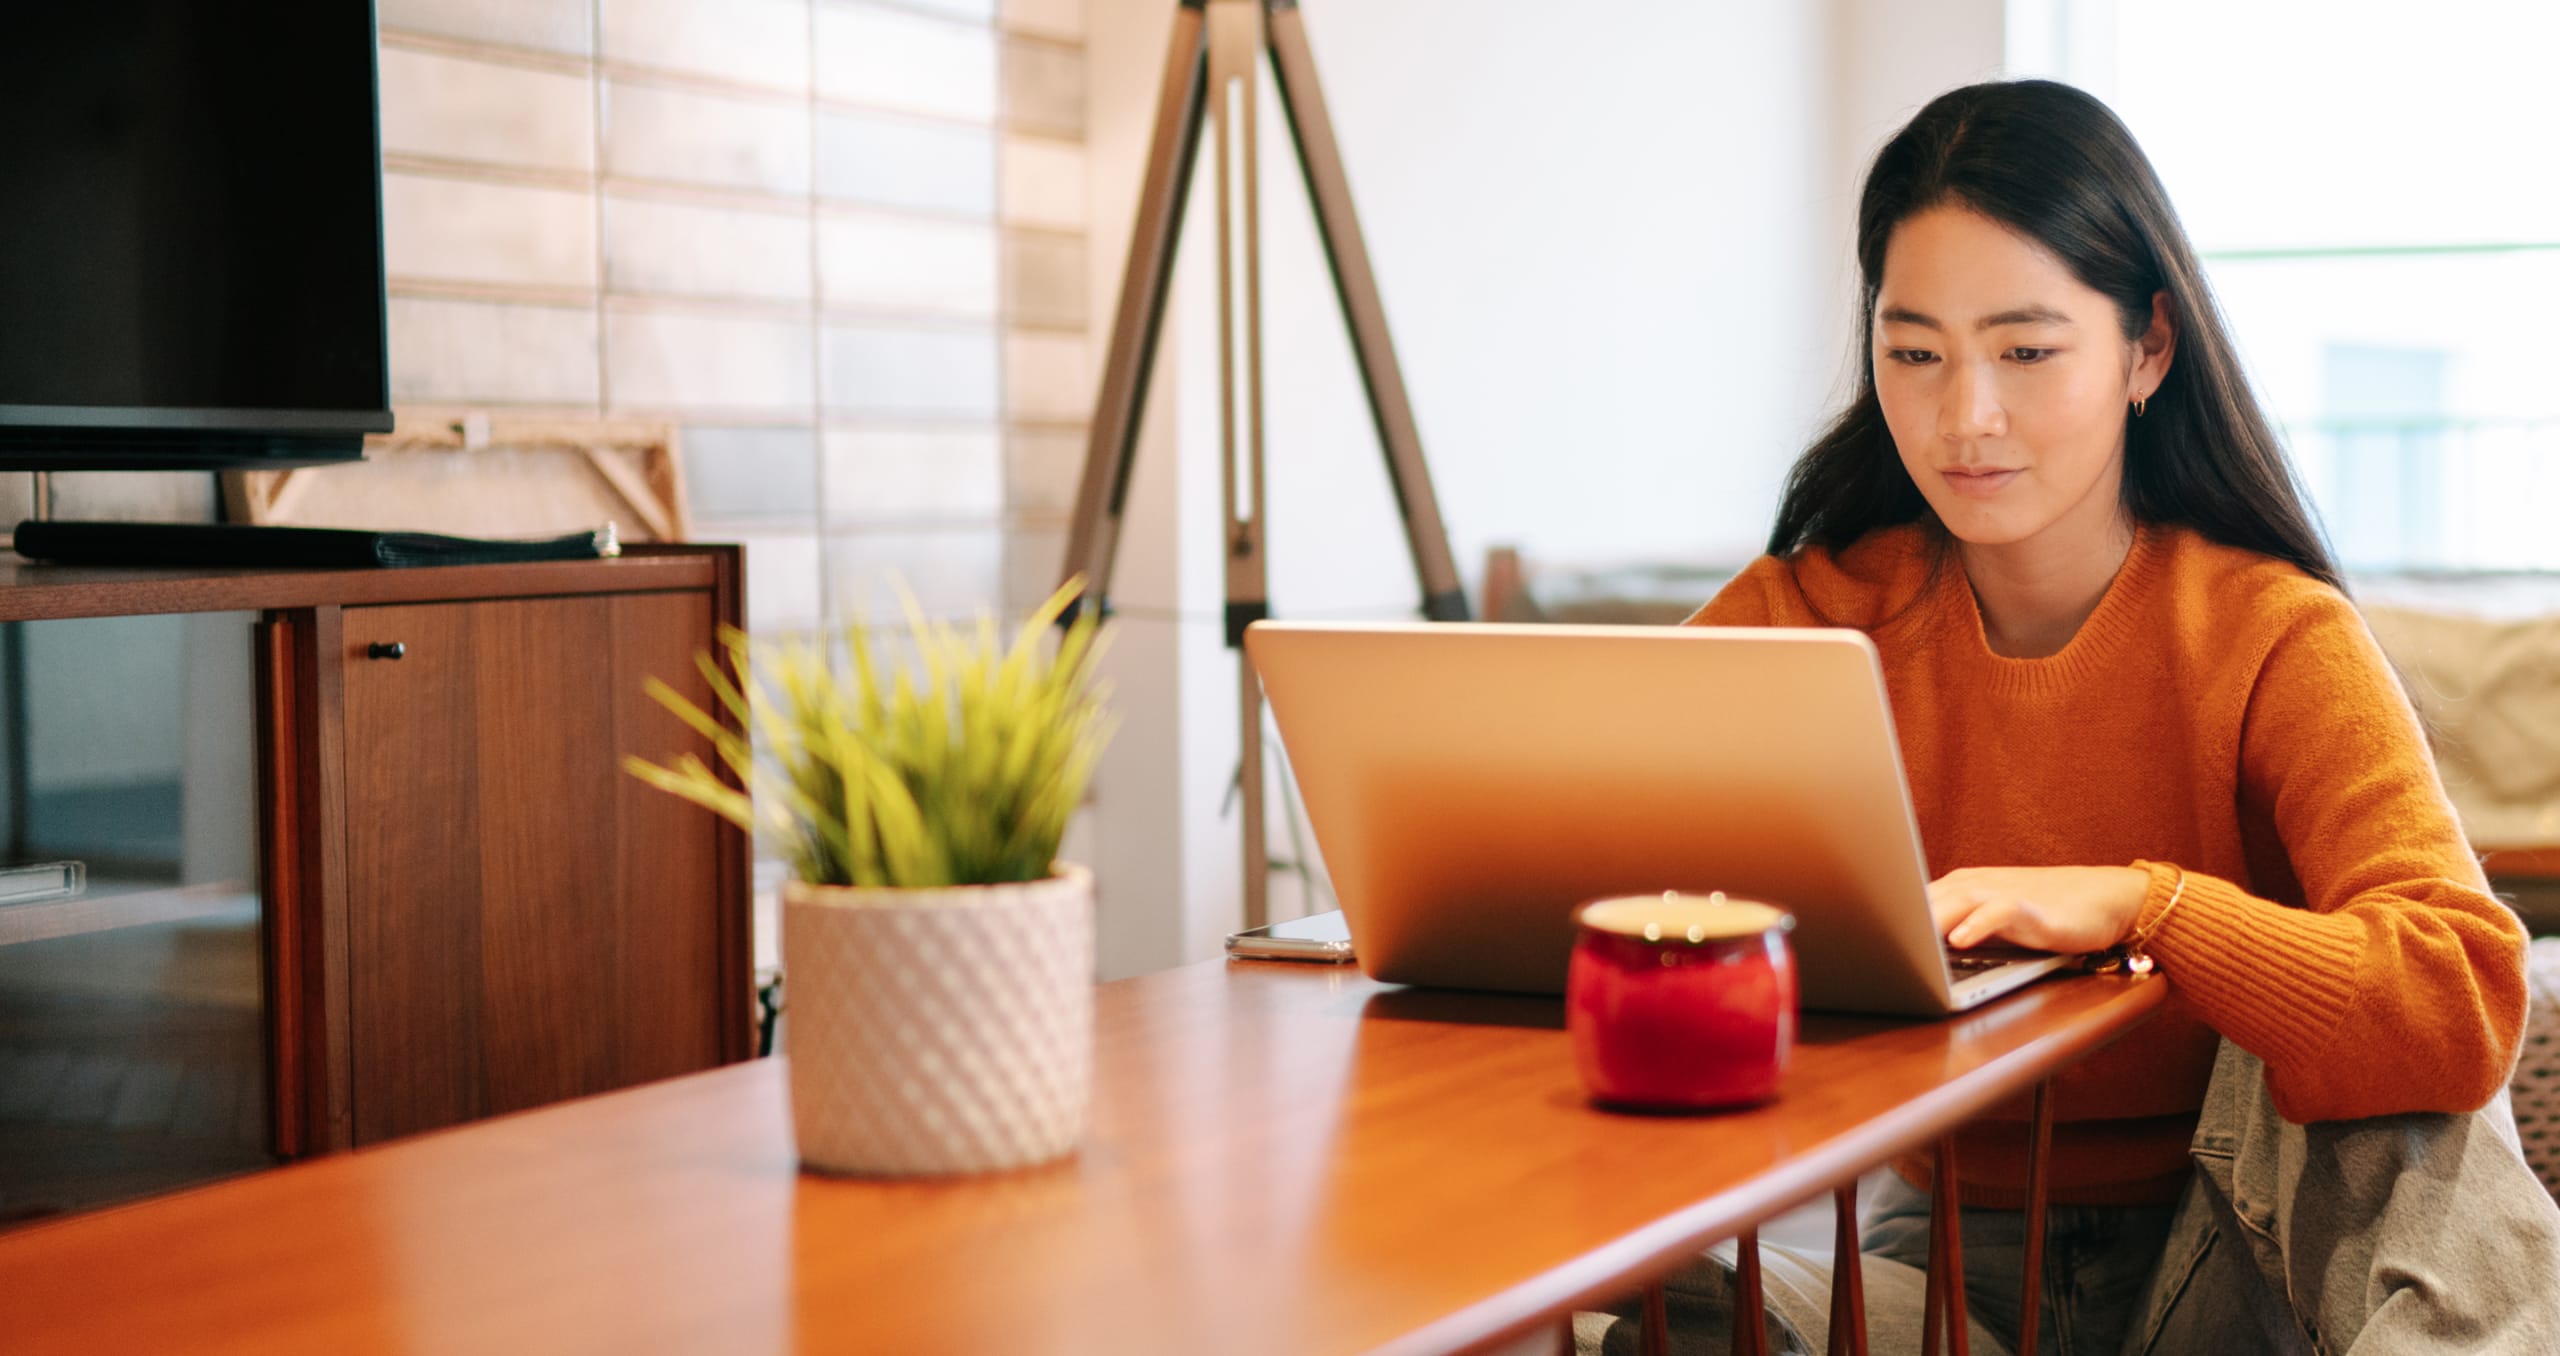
pixel 2158 344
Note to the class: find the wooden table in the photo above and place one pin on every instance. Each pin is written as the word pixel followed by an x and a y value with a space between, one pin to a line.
pixel 1283 1158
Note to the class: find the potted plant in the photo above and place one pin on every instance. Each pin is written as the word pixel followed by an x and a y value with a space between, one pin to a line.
pixel 938 958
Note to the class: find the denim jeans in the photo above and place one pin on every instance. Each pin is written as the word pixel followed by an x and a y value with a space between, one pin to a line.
pixel 2097 1261
pixel 2410 1235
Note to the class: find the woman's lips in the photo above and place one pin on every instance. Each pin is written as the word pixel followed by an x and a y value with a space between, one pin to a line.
pixel 1981 482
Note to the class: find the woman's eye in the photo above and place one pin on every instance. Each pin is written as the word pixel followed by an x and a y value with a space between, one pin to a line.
pixel 2030 355
pixel 1911 357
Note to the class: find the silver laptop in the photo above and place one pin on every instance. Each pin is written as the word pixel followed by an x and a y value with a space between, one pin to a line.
pixel 1469 784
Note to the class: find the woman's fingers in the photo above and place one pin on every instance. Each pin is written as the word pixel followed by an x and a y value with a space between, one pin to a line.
pixel 1951 901
pixel 2042 908
pixel 1966 907
pixel 1982 924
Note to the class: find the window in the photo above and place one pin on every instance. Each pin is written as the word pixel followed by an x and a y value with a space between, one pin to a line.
pixel 2371 187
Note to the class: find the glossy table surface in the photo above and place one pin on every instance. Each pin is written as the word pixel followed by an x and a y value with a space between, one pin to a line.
pixel 1283 1158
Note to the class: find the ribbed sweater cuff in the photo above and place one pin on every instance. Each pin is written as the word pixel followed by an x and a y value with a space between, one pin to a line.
pixel 2280 1013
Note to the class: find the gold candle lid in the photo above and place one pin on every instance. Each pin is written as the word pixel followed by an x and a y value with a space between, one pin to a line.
pixel 1675 917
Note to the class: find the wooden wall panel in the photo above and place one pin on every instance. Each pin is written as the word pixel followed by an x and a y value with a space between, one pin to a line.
pixel 673 991
pixel 533 924
pixel 549 857
pixel 414 876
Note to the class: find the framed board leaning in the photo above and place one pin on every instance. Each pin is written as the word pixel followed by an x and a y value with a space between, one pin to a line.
pixel 468 474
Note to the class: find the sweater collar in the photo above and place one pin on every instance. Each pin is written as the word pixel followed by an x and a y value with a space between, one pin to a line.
pixel 1956 622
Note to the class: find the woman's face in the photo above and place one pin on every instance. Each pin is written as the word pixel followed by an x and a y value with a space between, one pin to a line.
pixel 2006 381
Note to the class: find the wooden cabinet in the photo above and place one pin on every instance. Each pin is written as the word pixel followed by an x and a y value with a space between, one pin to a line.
pixel 470 908
pixel 525 921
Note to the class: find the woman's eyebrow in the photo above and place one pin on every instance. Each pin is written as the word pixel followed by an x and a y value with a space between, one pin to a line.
pixel 2024 315
pixel 2017 315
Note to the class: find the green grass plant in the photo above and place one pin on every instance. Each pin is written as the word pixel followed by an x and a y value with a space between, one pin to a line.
pixel 961 771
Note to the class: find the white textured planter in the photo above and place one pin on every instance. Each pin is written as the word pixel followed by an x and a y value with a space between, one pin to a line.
pixel 939 1031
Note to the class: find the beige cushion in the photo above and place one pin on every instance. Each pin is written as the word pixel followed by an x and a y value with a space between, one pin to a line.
pixel 2488 688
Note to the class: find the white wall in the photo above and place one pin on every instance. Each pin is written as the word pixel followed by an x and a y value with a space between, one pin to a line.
pixel 1887 61
pixel 1589 230
pixel 1613 250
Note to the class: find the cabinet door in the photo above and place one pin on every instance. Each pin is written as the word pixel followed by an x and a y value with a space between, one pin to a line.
pixel 526 921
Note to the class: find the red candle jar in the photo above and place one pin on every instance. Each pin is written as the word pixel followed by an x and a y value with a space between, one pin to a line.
pixel 1681 1001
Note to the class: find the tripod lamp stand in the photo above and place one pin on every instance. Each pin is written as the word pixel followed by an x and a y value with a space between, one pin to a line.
pixel 1210 73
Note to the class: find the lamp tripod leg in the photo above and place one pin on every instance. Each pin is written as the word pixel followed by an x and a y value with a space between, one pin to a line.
pixel 1355 285
pixel 1209 77
pixel 1111 441
pixel 1235 51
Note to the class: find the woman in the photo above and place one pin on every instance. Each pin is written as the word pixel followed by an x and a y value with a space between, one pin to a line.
pixel 2135 707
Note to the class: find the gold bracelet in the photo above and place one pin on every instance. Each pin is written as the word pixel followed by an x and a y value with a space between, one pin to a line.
pixel 2137 954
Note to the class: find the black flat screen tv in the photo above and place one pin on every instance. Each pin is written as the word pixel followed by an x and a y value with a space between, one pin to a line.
pixel 190 234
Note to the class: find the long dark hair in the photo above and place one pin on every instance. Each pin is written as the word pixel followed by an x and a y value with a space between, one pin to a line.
pixel 2054 165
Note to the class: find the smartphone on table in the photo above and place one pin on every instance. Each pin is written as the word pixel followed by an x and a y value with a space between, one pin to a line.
pixel 1316 937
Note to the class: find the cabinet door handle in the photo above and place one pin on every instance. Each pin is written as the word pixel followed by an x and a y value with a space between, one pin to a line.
pixel 386 649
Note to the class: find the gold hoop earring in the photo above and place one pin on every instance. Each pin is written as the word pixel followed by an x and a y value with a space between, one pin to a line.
pixel 2137 407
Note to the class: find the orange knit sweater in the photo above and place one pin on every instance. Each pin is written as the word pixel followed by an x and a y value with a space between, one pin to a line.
pixel 2225 713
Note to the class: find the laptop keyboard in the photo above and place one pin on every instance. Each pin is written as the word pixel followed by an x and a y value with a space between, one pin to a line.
pixel 1963 964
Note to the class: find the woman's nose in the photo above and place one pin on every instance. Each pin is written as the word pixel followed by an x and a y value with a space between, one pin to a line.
pixel 1972 406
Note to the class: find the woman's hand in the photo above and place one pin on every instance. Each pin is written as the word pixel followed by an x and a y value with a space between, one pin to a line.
pixel 2046 908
